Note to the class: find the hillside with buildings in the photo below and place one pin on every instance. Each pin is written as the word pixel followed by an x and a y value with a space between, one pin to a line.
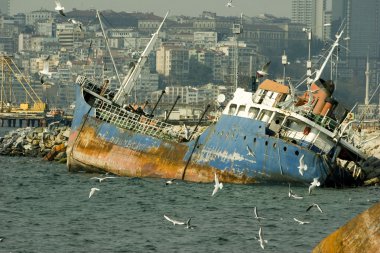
pixel 196 57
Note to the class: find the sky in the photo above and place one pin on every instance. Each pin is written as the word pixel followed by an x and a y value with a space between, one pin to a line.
pixel 279 8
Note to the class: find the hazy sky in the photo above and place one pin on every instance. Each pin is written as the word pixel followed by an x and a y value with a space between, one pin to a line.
pixel 279 8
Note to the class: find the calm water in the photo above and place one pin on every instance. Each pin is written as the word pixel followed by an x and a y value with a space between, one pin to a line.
pixel 43 208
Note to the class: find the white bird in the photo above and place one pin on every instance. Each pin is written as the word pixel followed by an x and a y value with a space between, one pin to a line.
pixel 59 8
pixel 186 132
pixel 175 222
pixel 264 71
pixel 93 191
pixel 170 181
pixel 75 22
pixel 250 151
pixel 291 194
pixel 44 73
pixel 256 215
pixel 100 179
pixel 261 239
pixel 316 205
pixel 302 167
pixel 300 221
pixel 217 185
pixel 188 226
pixel 229 4
pixel 314 184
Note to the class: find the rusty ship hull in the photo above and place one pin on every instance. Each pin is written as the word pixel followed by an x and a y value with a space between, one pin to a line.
pixel 238 149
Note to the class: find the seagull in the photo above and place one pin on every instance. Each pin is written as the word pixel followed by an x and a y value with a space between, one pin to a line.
pixel 44 73
pixel 302 167
pixel 261 240
pixel 59 8
pixel 256 215
pixel 170 181
pixel 300 221
pixel 217 185
pixel 264 71
pixel 93 191
pixel 187 132
pixel 188 226
pixel 1 239
pixel 100 179
pixel 229 4
pixel 176 222
pixel 75 22
pixel 291 194
pixel 250 151
pixel 314 184
pixel 316 205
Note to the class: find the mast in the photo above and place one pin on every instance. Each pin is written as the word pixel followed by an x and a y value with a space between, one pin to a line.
pixel 319 71
pixel 366 82
pixel 108 48
pixel 130 80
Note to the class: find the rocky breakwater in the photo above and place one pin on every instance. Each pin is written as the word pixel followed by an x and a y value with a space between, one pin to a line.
pixel 47 142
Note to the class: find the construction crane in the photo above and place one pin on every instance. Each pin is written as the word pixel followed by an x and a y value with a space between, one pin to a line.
pixel 10 78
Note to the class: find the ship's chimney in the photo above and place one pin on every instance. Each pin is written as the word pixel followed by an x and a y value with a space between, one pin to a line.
pixel 366 82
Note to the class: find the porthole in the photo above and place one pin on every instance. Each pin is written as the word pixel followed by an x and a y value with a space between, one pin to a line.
pixel 297 153
pixel 266 143
pixel 285 148
pixel 277 121
pixel 254 139
pixel 245 137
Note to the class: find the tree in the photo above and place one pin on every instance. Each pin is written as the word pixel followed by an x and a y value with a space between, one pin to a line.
pixel 199 73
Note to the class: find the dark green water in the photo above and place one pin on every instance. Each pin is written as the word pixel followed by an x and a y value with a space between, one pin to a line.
pixel 44 208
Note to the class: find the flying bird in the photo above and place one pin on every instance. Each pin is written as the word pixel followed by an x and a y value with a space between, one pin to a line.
pixel 59 8
pixel 217 185
pixel 44 73
pixel 229 4
pixel 100 179
pixel 302 167
pixel 314 184
pixel 187 132
pixel 264 71
pixel 188 226
pixel 175 222
pixel 75 22
pixel 93 191
pixel 314 205
pixel 291 194
pixel 256 215
pixel 300 221
pixel 261 239
pixel 250 151
pixel 170 181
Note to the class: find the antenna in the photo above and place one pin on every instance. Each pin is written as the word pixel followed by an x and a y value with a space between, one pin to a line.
pixel 108 47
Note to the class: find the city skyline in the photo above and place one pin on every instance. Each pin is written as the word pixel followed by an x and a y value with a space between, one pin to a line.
pixel 180 7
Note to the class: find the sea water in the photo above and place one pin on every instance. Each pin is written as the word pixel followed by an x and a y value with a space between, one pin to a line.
pixel 45 208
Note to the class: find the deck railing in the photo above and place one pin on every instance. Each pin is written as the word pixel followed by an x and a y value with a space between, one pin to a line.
pixel 136 122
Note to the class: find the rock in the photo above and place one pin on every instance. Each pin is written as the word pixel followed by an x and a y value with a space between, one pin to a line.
pixel 361 234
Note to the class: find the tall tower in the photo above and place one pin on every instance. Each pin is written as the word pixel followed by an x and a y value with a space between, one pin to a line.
pixel 314 14
pixel 362 23
pixel 5 7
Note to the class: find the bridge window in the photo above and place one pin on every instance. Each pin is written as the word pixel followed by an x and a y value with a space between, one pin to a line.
pixel 232 109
